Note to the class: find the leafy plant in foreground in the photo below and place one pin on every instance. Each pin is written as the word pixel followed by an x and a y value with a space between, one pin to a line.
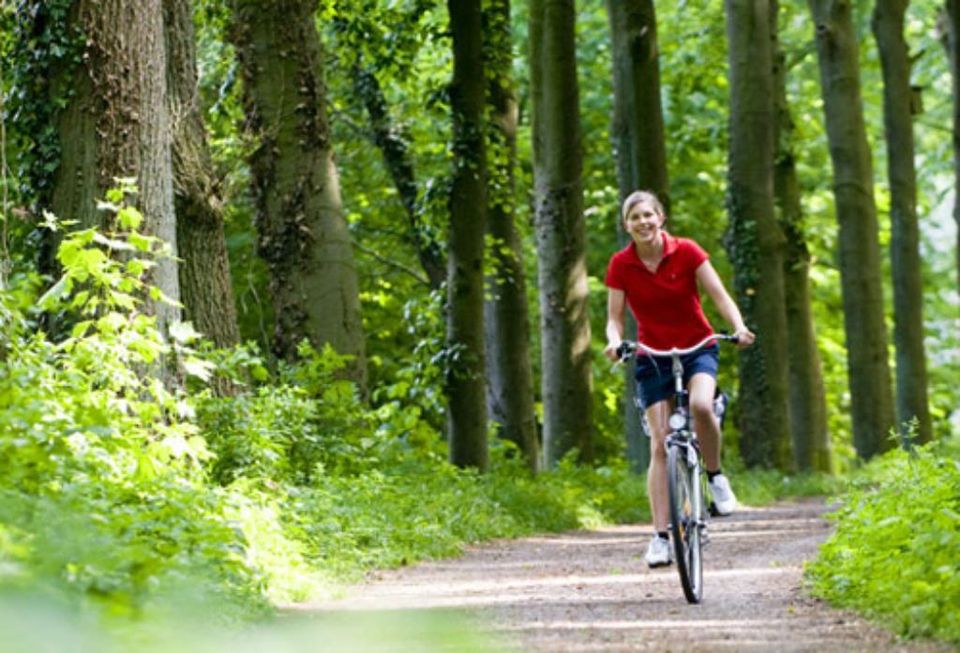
pixel 894 554
pixel 102 495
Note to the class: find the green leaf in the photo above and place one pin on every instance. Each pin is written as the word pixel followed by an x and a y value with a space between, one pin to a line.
pixel 118 245
pixel 129 218
pixel 52 298
pixel 183 332
pixel 199 368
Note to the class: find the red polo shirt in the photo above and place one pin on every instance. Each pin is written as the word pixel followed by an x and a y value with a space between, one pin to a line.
pixel 665 303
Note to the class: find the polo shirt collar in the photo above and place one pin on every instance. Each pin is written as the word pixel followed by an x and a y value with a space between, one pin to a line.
pixel 670 244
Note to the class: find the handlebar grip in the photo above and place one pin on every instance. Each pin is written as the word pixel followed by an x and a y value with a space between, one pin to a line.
pixel 729 337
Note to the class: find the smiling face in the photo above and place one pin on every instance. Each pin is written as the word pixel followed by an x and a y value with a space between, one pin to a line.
pixel 643 223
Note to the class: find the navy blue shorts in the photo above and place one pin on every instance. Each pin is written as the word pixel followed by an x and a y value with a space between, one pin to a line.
pixel 654 374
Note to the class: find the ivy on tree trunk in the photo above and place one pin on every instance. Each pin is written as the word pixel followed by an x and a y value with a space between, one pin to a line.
pixel 755 240
pixel 301 231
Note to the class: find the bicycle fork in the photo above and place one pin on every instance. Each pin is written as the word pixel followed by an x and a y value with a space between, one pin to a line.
pixel 687 441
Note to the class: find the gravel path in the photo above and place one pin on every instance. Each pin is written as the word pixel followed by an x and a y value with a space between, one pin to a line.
pixel 591 591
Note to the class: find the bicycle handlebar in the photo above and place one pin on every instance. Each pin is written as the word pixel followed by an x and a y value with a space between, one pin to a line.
pixel 628 347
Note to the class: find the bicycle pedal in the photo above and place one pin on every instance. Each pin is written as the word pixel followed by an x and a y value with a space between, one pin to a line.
pixel 704 535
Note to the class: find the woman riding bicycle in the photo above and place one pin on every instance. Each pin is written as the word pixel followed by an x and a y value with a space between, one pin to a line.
pixel 657 276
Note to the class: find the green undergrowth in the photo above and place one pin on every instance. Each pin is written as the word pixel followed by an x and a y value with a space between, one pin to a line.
pixel 895 553
pixel 311 539
pixel 759 487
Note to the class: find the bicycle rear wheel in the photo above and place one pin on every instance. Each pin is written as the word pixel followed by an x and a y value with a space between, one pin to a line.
pixel 686 508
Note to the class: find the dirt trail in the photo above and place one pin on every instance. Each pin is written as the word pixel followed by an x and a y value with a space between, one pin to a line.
pixel 591 591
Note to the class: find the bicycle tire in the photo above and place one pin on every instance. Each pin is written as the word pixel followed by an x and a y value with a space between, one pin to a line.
pixel 686 510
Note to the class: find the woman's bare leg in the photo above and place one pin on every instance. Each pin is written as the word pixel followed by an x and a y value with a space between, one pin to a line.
pixel 657 416
pixel 702 388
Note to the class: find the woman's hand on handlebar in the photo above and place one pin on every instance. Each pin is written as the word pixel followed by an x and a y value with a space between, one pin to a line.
pixel 611 351
pixel 744 336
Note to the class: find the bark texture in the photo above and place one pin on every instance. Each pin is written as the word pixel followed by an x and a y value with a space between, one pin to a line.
pixel 466 394
pixel 808 407
pixel 638 131
pixel 205 285
pixel 302 234
pixel 117 125
pixel 860 272
pixel 911 384
pixel 953 46
pixel 565 329
pixel 507 319
pixel 755 241
pixel 640 147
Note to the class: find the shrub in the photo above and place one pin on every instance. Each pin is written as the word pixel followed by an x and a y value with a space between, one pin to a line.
pixel 894 554
pixel 102 491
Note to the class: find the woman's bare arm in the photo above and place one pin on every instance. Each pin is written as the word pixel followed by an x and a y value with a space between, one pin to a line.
pixel 616 304
pixel 713 286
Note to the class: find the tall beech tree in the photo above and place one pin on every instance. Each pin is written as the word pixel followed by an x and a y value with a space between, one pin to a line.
pixel 205 286
pixel 466 395
pixel 507 319
pixel 860 272
pixel 755 240
pixel 953 51
pixel 888 25
pixel 116 123
pixel 808 405
pixel 301 231
pixel 640 147
pixel 564 325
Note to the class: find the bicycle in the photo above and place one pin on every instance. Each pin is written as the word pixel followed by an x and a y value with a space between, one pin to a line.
pixel 685 473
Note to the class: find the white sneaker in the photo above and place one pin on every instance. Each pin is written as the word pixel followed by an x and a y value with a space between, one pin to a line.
pixel 658 553
pixel 723 498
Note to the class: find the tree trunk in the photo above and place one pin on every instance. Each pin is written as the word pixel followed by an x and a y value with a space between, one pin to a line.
pixel 507 320
pixel 888 24
pixel 860 272
pixel 396 156
pixel 639 140
pixel 465 363
pixel 953 39
pixel 302 234
pixel 755 241
pixel 565 329
pixel 117 125
pixel 205 284
pixel 807 407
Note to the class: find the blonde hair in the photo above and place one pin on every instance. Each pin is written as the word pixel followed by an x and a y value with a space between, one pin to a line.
pixel 638 196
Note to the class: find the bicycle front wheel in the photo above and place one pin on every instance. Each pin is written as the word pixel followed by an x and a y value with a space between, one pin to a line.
pixel 686 508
